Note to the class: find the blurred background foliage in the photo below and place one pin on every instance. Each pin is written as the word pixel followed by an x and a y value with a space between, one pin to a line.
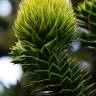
pixel 8 12
pixel 84 48
pixel 86 19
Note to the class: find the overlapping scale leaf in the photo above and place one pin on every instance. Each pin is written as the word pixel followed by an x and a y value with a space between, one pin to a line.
pixel 45 30
pixel 87 16
pixel 62 77
pixel 75 4
pixel 87 23
pixel 40 21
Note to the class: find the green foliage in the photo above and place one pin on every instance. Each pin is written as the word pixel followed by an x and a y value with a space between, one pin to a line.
pixel 87 23
pixel 45 30
pixel 87 15
pixel 75 3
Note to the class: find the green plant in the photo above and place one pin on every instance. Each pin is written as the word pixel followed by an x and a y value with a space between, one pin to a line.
pixel 75 4
pixel 87 15
pixel 45 30
pixel 87 24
